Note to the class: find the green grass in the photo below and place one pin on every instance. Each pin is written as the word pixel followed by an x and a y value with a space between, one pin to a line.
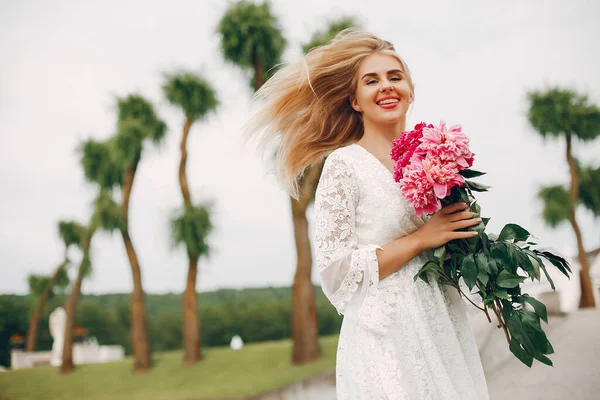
pixel 223 373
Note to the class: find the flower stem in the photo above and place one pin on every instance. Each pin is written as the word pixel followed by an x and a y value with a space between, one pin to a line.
pixel 501 323
pixel 485 310
pixel 467 297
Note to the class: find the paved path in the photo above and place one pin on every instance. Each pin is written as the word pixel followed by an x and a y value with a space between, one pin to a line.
pixel 576 371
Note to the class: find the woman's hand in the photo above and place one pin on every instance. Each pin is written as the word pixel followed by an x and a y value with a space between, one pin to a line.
pixel 443 225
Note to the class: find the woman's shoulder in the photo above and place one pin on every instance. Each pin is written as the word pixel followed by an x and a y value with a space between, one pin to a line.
pixel 340 163
pixel 346 154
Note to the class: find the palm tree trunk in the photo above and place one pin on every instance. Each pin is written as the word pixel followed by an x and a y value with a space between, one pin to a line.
pixel 587 290
pixel 139 328
pixel 305 330
pixel 189 301
pixel 259 71
pixel 191 320
pixel 185 190
pixel 34 321
pixel 71 310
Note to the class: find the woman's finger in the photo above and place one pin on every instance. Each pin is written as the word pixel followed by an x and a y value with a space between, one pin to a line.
pixel 461 215
pixel 465 223
pixel 463 235
pixel 452 208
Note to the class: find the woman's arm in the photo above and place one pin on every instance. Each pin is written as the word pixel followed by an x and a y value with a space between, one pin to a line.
pixel 439 230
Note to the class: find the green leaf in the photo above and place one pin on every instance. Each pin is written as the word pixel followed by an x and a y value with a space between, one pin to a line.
pixel 513 232
pixel 515 348
pixel 500 253
pixel 469 271
pixel 538 306
pixel 534 254
pixel 559 262
pixel 535 265
pixel 502 294
pixel 515 327
pixel 507 280
pixel 493 266
pixel 482 262
pixel 471 173
pixel 543 359
pixel 525 263
pixel 429 266
pixel 455 248
pixel 476 208
pixel 464 196
pixel 477 187
pixel 440 253
pixel 531 326
pixel 483 277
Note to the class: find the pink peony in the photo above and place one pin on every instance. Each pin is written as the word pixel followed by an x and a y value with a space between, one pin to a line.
pixel 417 188
pixel 447 144
pixel 404 147
pixel 443 174
pixel 428 160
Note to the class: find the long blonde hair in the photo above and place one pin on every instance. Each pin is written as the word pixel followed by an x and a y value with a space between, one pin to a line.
pixel 305 107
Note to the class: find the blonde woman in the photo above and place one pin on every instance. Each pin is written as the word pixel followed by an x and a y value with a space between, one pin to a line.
pixel 400 339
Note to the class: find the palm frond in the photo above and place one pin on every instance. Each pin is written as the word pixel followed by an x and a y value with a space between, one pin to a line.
pixel 192 93
pixel 250 33
pixel 100 164
pixel 191 227
pixel 107 213
pixel 323 37
pixel 558 112
pixel 557 204
pixel 136 108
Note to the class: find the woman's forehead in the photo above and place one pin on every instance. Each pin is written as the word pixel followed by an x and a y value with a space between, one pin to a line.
pixel 378 63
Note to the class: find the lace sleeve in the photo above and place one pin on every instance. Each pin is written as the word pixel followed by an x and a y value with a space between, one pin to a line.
pixel 342 264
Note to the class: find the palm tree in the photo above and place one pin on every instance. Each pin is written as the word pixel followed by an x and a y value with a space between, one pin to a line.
pixel 107 217
pixel 237 46
pixel 589 189
pixel 305 332
pixel 565 114
pixel 196 98
pixel 68 234
pixel 555 198
pixel 333 28
pixel 113 164
pixel 85 237
pixel 251 39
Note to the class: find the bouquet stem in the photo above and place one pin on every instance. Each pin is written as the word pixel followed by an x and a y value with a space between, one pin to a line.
pixel 485 310
pixel 497 310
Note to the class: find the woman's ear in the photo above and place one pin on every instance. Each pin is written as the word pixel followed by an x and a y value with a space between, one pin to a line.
pixel 354 104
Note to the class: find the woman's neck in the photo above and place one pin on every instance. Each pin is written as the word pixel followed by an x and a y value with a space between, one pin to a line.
pixel 378 138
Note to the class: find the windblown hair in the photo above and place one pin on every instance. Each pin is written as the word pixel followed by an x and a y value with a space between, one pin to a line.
pixel 305 107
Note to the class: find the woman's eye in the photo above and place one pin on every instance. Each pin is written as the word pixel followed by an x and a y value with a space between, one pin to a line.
pixel 395 78
pixel 371 82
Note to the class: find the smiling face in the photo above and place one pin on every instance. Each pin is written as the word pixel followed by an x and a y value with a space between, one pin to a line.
pixel 383 92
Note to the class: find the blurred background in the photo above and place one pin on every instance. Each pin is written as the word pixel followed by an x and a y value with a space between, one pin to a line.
pixel 95 98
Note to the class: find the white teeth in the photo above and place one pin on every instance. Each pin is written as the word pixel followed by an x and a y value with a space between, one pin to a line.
pixel 388 101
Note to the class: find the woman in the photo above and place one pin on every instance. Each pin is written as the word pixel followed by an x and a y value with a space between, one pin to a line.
pixel 400 339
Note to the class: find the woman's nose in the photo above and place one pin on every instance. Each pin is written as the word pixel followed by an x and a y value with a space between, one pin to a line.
pixel 385 85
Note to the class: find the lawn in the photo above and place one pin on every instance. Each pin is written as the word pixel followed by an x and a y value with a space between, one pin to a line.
pixel 224 373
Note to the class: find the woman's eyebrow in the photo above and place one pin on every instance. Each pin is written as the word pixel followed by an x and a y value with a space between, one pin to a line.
pixel 390 72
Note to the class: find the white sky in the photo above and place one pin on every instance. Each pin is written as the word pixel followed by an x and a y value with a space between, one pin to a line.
pixel 64 62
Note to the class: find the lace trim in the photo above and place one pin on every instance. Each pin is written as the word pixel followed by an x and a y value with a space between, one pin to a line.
pixel 361 259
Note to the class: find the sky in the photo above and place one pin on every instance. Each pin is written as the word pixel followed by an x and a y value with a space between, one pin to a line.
pixel 64 63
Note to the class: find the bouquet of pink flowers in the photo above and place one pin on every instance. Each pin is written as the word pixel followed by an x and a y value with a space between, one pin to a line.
pixel 432 165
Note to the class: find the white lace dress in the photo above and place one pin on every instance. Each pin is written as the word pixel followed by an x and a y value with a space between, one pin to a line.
pixel 399 339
